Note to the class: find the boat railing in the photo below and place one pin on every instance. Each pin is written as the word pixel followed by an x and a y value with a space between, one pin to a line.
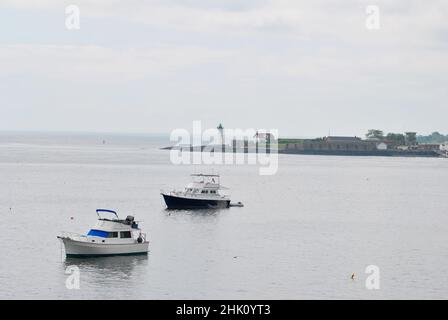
pixel 73 236
pixel 198 195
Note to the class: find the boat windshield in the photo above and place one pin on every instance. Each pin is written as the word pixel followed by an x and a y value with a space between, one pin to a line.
pixel 98 233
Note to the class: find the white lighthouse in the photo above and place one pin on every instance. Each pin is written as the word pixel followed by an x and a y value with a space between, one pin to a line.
pixel 221 133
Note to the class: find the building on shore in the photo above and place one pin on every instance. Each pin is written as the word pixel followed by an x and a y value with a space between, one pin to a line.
pixel 428 147
pixel 444 146
pixel 331 143
pixel 354 146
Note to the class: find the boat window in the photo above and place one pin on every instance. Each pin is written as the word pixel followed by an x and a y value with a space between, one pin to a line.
pixel 113 235
pixel 98 233
pixel 125 234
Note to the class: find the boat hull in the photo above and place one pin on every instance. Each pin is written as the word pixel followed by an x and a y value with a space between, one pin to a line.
pixel 173 202
pixel 75 248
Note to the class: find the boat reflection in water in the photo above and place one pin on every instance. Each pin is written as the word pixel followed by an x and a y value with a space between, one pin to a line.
pixel 122 272
pixel 108 266
pixel 199 216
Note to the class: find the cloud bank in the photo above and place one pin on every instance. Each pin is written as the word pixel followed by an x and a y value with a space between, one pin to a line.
pixel 245 63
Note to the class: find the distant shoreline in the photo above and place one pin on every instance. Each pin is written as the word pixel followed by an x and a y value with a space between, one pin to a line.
pixel 379 153
pixel 360 153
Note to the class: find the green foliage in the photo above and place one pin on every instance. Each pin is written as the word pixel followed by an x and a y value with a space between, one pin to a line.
pixel 434 137
pixel 374 133
pixel 400 139
pixel 396 138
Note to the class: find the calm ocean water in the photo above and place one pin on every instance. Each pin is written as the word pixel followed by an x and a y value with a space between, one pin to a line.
pixel 300 235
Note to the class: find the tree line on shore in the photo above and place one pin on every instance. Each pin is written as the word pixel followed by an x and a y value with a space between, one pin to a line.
pixel 408 138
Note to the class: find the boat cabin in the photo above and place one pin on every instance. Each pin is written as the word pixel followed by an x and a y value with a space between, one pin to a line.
pixel 114 229
pixel 204 185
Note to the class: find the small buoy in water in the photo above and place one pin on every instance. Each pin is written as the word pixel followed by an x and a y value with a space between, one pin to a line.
pixel 353 276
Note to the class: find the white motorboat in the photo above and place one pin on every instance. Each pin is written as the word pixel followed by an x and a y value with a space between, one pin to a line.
pixel 201 193
pixel 110 236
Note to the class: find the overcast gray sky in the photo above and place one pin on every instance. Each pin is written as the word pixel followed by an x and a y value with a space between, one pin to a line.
pixel 305 68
